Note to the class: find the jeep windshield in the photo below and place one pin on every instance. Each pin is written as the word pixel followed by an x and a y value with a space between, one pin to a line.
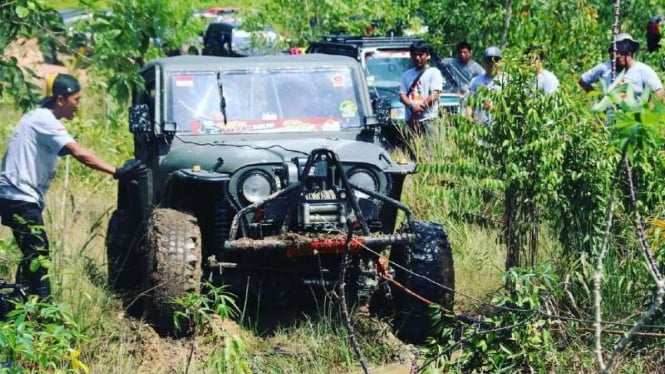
pixel 385 67
pixel 263 100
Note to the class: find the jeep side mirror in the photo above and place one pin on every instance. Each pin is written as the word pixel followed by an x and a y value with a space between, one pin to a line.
pixel 381 107
pixel 139 119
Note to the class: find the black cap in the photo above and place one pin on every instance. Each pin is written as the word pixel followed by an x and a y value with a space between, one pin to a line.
pixel 59 85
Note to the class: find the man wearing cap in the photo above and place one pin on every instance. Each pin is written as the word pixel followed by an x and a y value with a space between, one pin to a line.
pixel 420 88
pixel 463 68
pixel 28 166
pixel 492 80
pixel 638 74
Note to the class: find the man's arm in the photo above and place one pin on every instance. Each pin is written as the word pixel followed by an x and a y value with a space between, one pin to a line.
pixel 432 99
pixel 88 158
pixel 654 82
pixel 405 100
pixel 660 93
pixel 593 75
pixel 585 86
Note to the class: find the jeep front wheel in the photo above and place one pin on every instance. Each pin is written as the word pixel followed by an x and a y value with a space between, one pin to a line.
pixel 173 253
pixel 426 268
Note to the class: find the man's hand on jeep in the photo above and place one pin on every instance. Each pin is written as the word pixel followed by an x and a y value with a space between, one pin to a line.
pixel 132 169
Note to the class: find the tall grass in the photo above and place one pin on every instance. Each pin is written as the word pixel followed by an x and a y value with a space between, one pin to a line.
pixel 436 196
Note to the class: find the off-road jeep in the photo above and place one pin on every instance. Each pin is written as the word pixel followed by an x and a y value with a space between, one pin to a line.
pixel 384 59
pixel 265 175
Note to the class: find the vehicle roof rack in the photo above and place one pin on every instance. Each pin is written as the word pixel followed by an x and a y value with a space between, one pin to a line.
pixel 368 40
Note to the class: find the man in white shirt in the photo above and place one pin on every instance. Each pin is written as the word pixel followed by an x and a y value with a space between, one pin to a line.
pixel 546 81
pixel 636 73
pixel 420 88
pixel 28 167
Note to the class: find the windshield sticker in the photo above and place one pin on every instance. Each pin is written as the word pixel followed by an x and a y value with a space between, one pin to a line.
pixel 337 80
pixel 266 126
pixel 348 109
pixel 184 81
pixel 384 54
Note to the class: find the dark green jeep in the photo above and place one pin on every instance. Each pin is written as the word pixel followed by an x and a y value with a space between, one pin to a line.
pixel 266 174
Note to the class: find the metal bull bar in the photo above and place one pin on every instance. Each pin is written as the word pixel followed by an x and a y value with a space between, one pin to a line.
pixel 298 246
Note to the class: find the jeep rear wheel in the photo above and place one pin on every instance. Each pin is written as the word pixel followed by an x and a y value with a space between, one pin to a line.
pixel 173 251
pixel 122 240
pixel 424 267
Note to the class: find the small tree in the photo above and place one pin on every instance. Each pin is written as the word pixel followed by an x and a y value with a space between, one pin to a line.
pixel 20 20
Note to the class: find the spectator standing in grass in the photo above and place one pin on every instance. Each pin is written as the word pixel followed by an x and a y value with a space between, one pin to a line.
pixel 420 88
pixel 491 80
pixel 631 71
pixel 546 81
pixel 462 68
pixel 28 166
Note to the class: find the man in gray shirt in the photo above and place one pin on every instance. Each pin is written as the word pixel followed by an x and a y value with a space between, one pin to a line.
pixel 28 167
pixel 462 68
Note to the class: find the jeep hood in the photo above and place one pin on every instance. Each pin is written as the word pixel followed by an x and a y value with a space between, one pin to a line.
pixel 205 152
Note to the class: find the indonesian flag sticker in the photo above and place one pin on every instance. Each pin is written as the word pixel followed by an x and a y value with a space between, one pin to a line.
pixel 184 81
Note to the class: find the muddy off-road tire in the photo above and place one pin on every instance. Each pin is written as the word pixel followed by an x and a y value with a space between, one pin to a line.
pixel 173 254
pixel 431 257
pixel 123 238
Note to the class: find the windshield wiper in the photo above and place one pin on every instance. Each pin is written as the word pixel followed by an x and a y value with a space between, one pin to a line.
pixel 222 100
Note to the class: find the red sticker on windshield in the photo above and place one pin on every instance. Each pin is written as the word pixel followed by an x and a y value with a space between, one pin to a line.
pixel 337 80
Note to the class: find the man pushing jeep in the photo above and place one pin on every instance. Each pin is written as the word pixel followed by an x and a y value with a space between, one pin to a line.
pixel 28 167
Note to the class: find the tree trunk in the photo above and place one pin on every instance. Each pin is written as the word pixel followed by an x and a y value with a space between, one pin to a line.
pixel 506 22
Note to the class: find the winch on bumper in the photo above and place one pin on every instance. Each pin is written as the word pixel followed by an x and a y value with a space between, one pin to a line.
pixel 325 215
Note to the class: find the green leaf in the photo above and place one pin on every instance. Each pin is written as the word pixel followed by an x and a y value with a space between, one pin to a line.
pixel 22 12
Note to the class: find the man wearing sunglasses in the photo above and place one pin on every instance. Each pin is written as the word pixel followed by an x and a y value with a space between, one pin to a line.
pixel 491 80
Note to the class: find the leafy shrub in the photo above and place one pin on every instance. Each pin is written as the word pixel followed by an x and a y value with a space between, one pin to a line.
pixel 515 337
pixel 40 337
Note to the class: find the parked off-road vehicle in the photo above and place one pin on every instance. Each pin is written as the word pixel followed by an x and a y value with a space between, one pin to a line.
pixel 385 59
pixel 228 39
pixel 265 173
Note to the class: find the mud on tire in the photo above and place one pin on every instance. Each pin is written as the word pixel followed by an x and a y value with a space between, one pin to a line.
pixel 430 257
pixel 173 267
pixel 123 259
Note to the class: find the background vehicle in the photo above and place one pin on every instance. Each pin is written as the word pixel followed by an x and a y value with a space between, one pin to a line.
pixel 266 173
pixel 230 40
pixel 384 60
pixel 219 14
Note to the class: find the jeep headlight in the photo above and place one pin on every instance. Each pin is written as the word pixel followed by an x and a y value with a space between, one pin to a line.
pixel 363 178
pixel 256 186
